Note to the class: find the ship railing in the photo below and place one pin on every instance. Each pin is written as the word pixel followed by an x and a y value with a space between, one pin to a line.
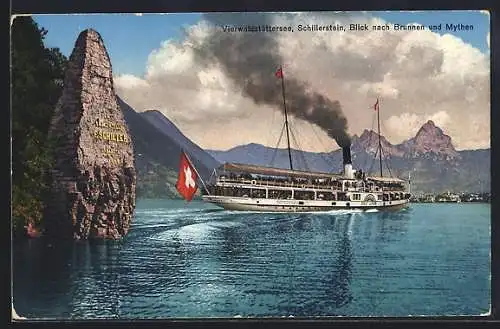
pixel 268 183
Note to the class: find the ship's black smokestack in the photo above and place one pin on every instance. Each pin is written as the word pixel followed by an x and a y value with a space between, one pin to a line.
pixel 346 153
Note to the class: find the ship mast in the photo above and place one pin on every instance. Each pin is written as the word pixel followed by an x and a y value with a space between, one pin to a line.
pixel 377 108
pixel 286 116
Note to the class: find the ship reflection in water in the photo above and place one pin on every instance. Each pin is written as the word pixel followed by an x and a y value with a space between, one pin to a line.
pixel 198 261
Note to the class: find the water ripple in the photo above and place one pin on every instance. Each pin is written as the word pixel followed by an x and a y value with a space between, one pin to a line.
pixel 198 261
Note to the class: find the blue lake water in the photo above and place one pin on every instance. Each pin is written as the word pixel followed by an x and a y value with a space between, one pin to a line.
pixel 194 260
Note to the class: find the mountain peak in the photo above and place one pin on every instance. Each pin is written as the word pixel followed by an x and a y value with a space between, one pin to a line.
pixel 369 142
pixel 431 139
pixel 430 128
pixel 367 133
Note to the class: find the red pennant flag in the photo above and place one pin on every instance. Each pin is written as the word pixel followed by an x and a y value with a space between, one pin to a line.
pixel 186 181
pixel 279 73
pixel 375 107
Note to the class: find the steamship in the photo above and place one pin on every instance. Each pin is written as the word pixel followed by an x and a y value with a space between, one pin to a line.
pixel 237 186
pixel 256 188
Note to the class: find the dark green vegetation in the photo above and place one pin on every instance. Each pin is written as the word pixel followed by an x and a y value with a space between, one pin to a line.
pixel 37 82
pixel 37 75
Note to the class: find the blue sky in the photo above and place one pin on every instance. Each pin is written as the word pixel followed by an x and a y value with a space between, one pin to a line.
pixel 130 39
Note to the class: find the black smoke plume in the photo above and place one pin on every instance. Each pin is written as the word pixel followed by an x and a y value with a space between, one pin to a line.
pixel 250 59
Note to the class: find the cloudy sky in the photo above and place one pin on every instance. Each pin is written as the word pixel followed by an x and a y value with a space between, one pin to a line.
pixel 219 88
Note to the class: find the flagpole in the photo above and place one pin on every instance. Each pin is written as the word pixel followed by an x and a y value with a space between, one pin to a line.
pixel 409 182
pixel 196 171
pixel 379 138
pixel 286 116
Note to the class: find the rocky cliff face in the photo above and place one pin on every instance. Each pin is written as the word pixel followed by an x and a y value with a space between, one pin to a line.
pixel 94 178
pixel 430 140
pixel 435 165
pixel 368 142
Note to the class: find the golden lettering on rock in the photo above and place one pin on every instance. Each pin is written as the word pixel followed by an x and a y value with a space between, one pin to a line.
pixel 111 131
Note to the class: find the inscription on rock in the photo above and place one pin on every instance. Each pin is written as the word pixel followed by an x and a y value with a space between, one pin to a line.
pixel 94 178
pixel 108 132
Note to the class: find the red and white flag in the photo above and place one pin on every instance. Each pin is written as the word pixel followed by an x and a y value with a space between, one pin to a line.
pixel 186 181
pixel 375 107
pixel 279 73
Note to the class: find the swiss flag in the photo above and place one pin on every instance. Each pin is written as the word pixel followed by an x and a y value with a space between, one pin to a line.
pixel 279 73
pixel 375 107
pixel 186 181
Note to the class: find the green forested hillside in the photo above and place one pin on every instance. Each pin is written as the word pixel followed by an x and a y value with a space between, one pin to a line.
pixel 37 75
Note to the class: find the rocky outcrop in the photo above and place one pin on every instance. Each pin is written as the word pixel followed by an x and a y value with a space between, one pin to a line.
pixel 94 178
pixel 430 140
pixel 369 143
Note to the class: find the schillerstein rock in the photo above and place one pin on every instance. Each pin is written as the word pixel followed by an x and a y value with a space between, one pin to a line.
pixel 94 179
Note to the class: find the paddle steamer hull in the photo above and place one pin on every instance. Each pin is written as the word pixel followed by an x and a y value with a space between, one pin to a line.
pixel 275 205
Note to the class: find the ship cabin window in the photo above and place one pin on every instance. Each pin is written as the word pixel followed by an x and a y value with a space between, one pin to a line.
pixel 348 185
pixel 258 193
pixel 329 196
pixel 280 194
pixel 385 197
pixel 227 191
pixel 320 182
pixel 393 186
pixel 341 196
pixel 356 197
pixel 234 191
pixel 217 190
pixel 242 192
pixel 235 177
pixel 379 197
pixel 335 184
pixel 303 195
pixel 281 181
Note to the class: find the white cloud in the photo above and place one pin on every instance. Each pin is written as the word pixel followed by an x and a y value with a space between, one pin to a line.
pixel 130 81
pixel 418 75
pixel 467 136
pixel 400 125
